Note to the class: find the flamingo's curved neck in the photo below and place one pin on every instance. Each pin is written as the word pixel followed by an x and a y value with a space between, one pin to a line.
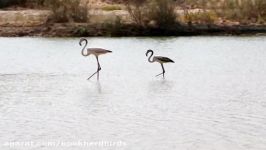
pixel 150 57
pixel 83 49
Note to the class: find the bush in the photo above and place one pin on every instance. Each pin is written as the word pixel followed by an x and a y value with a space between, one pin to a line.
pixel 202 17
pixel 68 10
pixel 81 31
pixel 246 11
pixel 162 12
pixel 243 11
pixel 137 11
pixel 111 7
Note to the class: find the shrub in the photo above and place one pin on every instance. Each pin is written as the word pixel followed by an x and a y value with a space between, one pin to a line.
pixel 162 12
pixel 81 31
pixel 68 10
pixel 244 11
pixel 113 28
pixel 137 11
pixel 111 7
pixel 201 17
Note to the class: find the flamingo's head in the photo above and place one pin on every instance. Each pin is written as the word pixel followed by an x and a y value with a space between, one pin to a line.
pixel 149 51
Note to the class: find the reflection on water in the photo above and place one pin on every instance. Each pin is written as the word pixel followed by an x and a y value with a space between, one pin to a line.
pixel 213 97
pixel 160 86
pixel 97 87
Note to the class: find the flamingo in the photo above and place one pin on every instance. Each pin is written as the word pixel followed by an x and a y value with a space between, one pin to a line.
pixel 158 59
pixel 94 51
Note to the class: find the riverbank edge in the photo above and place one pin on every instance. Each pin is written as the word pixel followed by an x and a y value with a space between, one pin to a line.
pixel 128 30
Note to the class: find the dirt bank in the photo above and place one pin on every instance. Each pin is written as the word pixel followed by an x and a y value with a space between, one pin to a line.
pixel 80 30
pixel 103 23
pixel 24 18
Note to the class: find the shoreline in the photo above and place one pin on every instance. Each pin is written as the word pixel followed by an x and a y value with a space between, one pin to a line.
pixel 128 30
pixel 32 22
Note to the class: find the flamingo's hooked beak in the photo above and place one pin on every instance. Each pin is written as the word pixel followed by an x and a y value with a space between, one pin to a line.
pixel 148 51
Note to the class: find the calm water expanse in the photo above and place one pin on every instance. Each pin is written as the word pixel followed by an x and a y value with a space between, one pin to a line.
pixel 213 97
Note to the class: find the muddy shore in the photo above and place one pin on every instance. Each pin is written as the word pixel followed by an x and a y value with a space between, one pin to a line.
pixel 36 23
pixel 79 30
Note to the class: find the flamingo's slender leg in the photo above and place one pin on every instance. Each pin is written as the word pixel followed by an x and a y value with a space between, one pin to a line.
pixel 99 68
pixel 162 72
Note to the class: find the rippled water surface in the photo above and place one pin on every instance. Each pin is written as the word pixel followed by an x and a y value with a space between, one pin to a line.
pixel 213 97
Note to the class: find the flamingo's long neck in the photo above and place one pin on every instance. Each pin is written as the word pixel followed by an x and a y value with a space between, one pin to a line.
pixel 150 58
pixel 83 49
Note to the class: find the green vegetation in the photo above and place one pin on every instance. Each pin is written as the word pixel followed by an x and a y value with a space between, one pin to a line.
pixel 163 13
pixel 201 17
pixel 81 31
pixel 137 10
pixel 159 13
pixel 68 10
pixel 111 7
pixel 242 11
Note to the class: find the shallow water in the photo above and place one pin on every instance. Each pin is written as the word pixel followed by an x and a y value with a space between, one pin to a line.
pixel 213 97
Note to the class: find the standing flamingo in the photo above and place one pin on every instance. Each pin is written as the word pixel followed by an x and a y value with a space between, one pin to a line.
pixel 94 51
pixel 158 59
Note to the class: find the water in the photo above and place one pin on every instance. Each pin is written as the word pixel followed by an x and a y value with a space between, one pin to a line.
pixel 213 97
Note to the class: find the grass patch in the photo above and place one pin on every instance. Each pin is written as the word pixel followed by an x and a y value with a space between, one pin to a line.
pixel 202 17
pixel 111 7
